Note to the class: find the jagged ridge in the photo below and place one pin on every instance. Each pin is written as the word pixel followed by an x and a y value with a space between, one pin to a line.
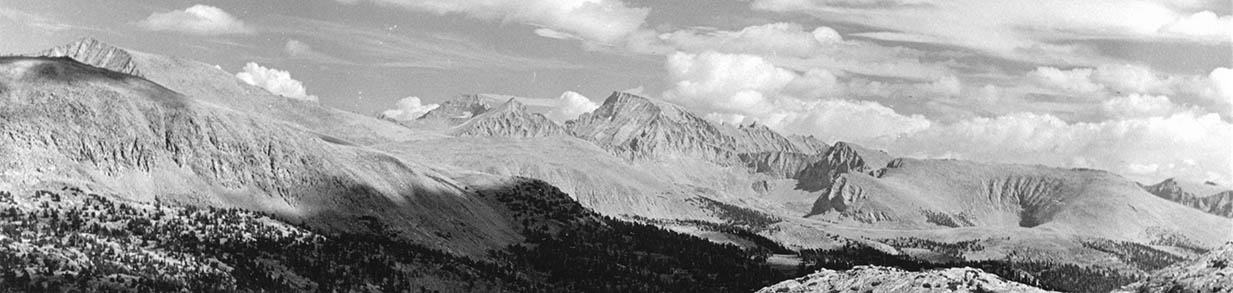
pixel 636 127
pixel 1220 203
pixel 510 119
pixel 96 53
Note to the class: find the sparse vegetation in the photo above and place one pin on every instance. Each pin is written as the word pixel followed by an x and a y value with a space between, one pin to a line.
pixel 736 215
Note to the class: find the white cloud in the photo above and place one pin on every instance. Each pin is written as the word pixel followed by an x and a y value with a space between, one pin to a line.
pixel 276 81
pixel 408 108
pixel 198 19
pixel 599 21
pixel 740 88
pixel 787 39
pixel 1139 106
pixel 1203 25
pixel 1026 30
pixel 1075 81
pixel 1126 146
pixel 569 106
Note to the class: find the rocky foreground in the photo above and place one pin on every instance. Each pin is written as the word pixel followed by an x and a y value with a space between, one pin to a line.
pixel 887 279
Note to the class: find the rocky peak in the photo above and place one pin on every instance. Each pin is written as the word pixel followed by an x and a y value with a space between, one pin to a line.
pixel 99 54
pixel 459 109
pixel 510 119
pixel 637 127
pixel 1209 198
pixel 841 158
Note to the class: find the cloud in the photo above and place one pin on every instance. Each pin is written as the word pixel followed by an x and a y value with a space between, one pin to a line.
pixel 781 38
pixel 598 21
pixel 1139 106
pixel 1204 25
pixel 1040 31
pixel 742 88
pixel 569 106
pixel 409 108
pixel 1075 81
pixel 198 19
pixel 1183 144
pixel 276 81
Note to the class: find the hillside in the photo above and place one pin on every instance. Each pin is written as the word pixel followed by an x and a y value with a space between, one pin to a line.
pixel 1212 272
pixel 110 131
pixel 208 83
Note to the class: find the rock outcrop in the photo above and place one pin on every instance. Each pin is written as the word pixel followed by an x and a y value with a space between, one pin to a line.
pixel 778 164
pixel 885 279
pixel 1211 272
pixel 1208 198
pixel 840 159
pixel 458 110
pixel 96 53
pixel 510 119
pixel 639 128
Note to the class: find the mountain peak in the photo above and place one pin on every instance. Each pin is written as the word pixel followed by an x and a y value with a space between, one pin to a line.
pixel 459 109
pixel 96 53
pixel 510 119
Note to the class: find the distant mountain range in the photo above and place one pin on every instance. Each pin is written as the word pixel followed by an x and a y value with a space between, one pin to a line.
pixel 496 188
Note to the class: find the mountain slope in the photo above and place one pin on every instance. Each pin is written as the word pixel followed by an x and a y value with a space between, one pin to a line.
pixel 1208 198
pixel 1212 272
pixel 640 128
pixel 66 121
pixel 920 194
pixel 883 279
pixel 208 83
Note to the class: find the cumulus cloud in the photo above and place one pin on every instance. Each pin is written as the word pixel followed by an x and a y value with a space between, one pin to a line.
pixel 1075 81
pixel 276 81
pixel 569 105
pixel 599 21
pixel 198 19
pixel 1183 144
pixel 741 88
pixel 1139 106
pixel 1026 30
pixel 409 108
pixel 1204 25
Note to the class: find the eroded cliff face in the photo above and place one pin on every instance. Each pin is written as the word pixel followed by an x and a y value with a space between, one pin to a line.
pixel 839 159
pixel 639 128
pixel 778 164
pixel 458 110
pixel 1214 202
pixel 66 121
pixel 510 119
pixel 886 279
pixel 95 53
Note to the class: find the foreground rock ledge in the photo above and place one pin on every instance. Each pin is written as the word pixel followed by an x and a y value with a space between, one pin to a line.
pixel 887 279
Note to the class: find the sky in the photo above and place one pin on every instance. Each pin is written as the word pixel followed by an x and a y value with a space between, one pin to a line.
pixel 1143 88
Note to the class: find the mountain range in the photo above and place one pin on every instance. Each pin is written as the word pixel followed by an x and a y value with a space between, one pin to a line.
pixel 491 185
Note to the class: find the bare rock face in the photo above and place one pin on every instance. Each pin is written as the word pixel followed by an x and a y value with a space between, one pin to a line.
pixel 886 279
pixel 840 159
pixel 1211 272
pixel 778 164
pixel 459 109
pixel 510 119
pixel 95 53
pixel 1210 198
pixel 639 128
